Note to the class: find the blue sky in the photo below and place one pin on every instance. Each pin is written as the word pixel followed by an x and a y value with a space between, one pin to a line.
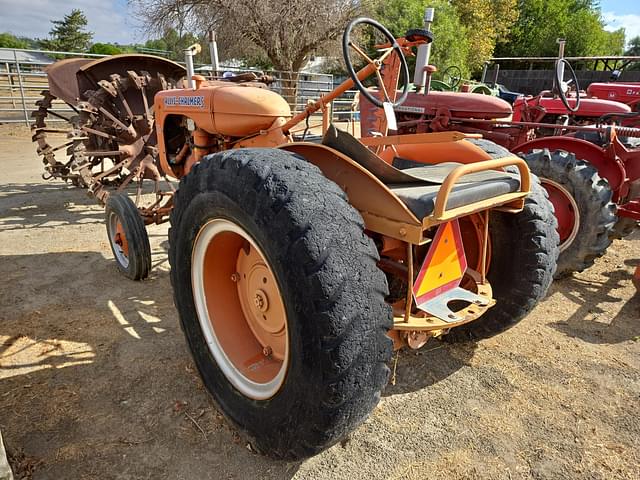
pixel 622 13
pixel 111 20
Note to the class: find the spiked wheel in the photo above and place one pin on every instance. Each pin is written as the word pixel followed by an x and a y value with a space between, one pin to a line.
pixel 109 141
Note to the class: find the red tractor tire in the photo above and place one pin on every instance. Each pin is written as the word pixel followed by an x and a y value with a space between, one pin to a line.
pixel 582 203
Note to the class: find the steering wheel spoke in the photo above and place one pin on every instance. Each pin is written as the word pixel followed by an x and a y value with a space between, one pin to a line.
pixel 360 52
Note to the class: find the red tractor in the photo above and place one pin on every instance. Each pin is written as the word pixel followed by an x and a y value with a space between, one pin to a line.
pixel 623 92
pixel 590 168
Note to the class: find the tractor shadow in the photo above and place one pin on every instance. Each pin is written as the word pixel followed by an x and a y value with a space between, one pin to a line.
pixel 95 373
pixel 51 205
pixel 593 321
pixel 413 370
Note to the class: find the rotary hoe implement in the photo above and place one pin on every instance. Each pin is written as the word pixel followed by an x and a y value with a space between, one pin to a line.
pixel 299 263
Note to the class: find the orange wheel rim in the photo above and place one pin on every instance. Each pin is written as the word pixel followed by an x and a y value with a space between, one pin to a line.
pixel 240 308
pixel 118 239
pixel 121 239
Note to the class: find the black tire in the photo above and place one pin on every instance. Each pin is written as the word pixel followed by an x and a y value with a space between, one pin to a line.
pixel 592 195
pixel 136 264
pixel 523 260
pixel 332 290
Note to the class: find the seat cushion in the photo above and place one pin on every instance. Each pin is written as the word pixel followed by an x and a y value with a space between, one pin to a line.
pixel 418 184
pixel 420 199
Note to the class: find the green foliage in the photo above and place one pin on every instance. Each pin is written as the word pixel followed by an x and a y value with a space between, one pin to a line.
pixel 484 23
pixel 450 46
pixel 541 22
pixel 174 42
pixel 105 49
pixel 7 40
pixel 634 47
pixel 69 33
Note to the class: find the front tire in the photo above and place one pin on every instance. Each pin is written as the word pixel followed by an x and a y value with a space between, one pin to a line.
pixel 127 237
pixel 332 365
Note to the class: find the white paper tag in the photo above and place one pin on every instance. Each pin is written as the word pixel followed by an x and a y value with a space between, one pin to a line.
pixel 392 124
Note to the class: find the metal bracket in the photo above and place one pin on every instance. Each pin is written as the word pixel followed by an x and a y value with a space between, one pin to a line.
pixel 438 306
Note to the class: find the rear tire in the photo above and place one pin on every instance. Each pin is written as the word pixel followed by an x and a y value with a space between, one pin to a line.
pixel 582 202
pixel 128 237
pixel 523 261
pixel 333 294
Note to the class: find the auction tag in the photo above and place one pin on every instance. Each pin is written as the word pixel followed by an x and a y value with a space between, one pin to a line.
pixel 392 124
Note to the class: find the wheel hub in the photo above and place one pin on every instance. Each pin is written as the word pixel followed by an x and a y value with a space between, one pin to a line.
pixel 240 308
pixel 260 301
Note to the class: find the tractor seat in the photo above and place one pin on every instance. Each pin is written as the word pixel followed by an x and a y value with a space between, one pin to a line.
pixel 475 187
pixel 418 186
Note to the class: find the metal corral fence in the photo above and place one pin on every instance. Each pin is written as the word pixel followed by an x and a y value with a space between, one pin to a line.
pixel 23 78
pixel 522 77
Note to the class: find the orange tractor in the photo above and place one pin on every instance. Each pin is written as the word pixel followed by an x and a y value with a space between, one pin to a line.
pixel 298 266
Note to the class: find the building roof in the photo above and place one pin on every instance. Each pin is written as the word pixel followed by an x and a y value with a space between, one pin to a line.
pixel 26 56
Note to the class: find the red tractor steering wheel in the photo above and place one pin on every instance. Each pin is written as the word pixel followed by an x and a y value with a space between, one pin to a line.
pixel 561 65
pixel 348 44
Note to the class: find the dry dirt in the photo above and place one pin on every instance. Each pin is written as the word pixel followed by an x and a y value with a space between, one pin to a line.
pixel 96 380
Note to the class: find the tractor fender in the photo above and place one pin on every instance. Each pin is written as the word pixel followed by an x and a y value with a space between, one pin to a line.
pixel 381 209
pixel 612 170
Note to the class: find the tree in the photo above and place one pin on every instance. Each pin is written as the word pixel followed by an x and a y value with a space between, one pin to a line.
pixel 541 22
pixel 633 49
pixel 287 33
pixel 104 49
pixel 174 43
pixel 69 33
pixel 484 23
pixel 8 40
pixel 450 46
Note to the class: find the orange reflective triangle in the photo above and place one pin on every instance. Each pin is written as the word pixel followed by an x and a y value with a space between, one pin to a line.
pixel 444 265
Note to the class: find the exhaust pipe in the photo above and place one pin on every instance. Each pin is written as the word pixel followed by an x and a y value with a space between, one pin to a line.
pixel 189 53
pixel 423 54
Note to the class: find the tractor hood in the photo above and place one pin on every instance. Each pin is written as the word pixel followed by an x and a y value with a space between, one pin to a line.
pixel 225 108
pixel 465 105
pixel 589 107
pixel 620 92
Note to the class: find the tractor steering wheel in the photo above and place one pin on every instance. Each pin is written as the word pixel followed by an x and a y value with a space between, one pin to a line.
pixel 561 65
pixel 455 76
pixel 347 43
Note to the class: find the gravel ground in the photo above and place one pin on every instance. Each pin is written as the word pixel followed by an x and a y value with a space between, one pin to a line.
pixel 96 380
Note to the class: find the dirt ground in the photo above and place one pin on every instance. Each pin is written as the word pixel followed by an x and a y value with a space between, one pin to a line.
pixel 96 380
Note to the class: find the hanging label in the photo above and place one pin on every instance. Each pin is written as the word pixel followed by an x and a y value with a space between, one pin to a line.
pixel 392 124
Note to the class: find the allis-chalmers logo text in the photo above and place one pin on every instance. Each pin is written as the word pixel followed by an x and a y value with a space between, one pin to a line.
pixel 190 101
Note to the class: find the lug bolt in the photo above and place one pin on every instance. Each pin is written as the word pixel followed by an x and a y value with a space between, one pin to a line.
pixel 267 351
pixel 235 277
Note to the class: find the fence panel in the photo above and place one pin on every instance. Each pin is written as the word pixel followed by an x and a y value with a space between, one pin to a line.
pixel 23 78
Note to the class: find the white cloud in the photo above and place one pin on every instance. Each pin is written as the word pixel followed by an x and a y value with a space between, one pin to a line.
pixel 630 22
pixel 108 19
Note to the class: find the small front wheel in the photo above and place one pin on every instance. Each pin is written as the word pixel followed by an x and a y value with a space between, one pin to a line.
pixel 128 237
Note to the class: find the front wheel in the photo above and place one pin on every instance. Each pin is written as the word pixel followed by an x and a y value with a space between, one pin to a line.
pixel 582 204
pixel 127 237
pixel 280 299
